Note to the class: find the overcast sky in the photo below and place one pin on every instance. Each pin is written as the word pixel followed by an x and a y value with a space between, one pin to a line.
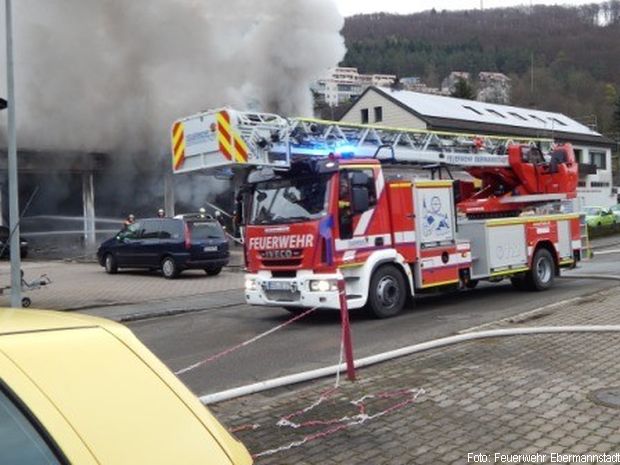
pixel 351 7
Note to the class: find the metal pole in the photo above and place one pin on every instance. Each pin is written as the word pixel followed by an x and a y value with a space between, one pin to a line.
pixel 346 330
pixel 16 281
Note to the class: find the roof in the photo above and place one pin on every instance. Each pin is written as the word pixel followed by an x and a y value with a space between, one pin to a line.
pixel 449 113
pixel 28 321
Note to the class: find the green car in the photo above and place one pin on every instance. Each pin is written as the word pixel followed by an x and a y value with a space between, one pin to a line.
pixel 599 216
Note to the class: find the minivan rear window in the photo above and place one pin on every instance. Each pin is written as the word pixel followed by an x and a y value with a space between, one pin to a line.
pixel 206 230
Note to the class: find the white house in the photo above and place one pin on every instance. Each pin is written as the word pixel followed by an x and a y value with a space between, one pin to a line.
pixel 406 109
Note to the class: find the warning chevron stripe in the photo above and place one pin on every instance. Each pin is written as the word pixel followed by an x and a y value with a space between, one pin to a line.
pixel 223 134
pixel 178 145
pixel 231 145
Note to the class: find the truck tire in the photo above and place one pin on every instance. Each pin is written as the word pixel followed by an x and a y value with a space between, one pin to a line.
pixel 541 275
pixel 169 268
pixel 387 292
pixel 518 282
pixel 110 263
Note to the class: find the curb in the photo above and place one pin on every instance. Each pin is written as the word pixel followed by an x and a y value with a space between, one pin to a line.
pixel 132 317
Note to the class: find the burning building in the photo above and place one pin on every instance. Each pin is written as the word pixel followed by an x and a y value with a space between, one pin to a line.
pixel 98 83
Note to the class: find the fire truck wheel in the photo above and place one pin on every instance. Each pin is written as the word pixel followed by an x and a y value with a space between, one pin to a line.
pixel 387 292
pixel 518 283
pixel 111 266
pixel 169 268
pixel 541 276
pixel 213 271
pixel 471 284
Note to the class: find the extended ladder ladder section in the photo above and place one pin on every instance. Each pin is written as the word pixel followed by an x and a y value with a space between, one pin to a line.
pixel 227 138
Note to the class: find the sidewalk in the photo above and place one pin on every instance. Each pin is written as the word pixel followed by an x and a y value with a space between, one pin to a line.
pixel 86 285
pixel 518 395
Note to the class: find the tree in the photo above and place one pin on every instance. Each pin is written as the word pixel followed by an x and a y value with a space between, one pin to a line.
pixel 616 116
pixel 463 89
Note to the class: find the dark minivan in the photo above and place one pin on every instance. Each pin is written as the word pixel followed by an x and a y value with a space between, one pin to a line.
pixel 168 244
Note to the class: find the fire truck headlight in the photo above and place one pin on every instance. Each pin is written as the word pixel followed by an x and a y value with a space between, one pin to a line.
pixel 323 285
pixel 250 284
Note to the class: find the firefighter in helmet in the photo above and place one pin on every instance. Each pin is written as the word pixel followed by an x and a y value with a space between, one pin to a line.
pixel 161 213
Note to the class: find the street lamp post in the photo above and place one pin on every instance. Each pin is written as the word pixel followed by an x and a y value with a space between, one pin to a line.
pixel 16 280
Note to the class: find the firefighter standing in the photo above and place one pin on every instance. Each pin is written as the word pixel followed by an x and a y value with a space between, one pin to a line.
pixel 161 213
pixel 128 221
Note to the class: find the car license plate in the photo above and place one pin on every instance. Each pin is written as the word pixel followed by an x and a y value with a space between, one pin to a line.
pixel 210 248
pixel 278 285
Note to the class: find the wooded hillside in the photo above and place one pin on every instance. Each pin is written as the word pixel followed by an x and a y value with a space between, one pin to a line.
pixel 576 52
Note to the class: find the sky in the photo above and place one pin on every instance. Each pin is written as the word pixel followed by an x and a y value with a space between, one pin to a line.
pixel 351 7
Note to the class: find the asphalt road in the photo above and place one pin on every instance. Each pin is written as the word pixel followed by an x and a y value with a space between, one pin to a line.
pixel 314 341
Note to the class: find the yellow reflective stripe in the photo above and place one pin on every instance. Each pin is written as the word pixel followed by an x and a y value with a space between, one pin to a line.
pixel 351 265
pixel 177 135
pixel 513 271
pixel 433 183
pixel 441 283
pixel 532 219
pixel 226 143
pixel 401 184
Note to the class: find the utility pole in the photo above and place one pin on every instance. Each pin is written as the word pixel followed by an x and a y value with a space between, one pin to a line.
pixel 16 278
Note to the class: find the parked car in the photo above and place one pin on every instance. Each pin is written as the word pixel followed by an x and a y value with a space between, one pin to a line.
pixel 83 390
pixel 168 244
pixel 599 216
pixel 5 234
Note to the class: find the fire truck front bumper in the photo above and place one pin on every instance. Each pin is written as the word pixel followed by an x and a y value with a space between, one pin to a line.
pixel 303 291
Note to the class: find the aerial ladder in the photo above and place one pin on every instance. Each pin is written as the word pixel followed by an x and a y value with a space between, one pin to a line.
pixel 515 173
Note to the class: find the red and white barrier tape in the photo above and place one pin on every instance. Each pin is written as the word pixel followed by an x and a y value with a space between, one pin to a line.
pixel 333 425
pixel 244 343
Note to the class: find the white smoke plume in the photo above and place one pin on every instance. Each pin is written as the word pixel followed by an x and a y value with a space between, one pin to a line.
pixel 112 75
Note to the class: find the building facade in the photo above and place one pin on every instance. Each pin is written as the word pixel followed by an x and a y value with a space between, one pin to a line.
pixel 406 109
pixel 344 84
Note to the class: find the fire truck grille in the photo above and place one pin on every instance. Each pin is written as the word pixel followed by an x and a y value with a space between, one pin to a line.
pixel 290 262
pixel 283 296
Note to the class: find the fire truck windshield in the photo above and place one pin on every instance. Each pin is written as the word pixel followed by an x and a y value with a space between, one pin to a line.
pixel 289 200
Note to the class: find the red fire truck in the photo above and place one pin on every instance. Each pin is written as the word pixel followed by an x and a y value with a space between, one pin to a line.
pixel 324 201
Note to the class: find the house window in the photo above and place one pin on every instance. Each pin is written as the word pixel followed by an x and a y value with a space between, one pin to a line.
pixel 579 155
pixel 599 159
pixel 378 114
pixel 467 107
pixel 521 117
pixel 495 112
pixel 364 114
pixel 557 121
pixel 538 119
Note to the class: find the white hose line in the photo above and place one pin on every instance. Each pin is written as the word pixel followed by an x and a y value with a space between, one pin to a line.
pixel 609 277
pixel 392 354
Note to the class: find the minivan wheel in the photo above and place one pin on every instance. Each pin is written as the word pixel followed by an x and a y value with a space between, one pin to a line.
pixel 111 266
pixel 387 293
pixel 213 271
pixel 169 268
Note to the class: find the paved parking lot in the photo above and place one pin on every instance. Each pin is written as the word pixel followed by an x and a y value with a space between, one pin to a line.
pixel 510 396
pixel 84 285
